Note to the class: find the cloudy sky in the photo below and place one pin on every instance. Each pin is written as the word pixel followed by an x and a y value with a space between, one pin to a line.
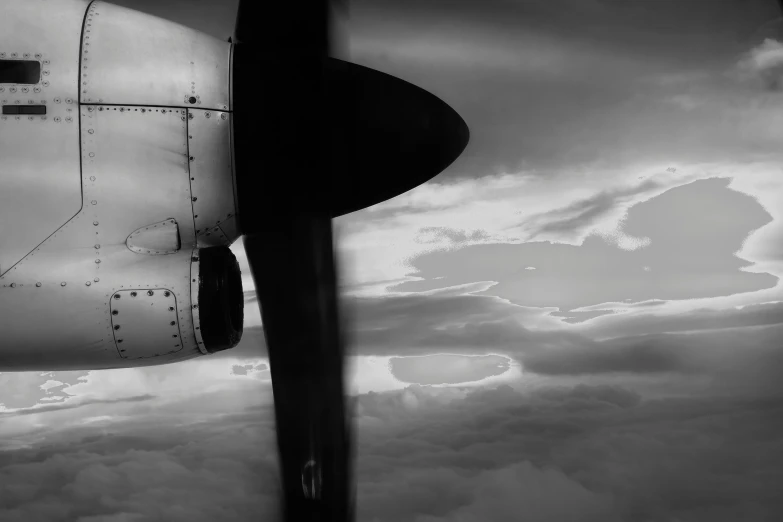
pixel 580 320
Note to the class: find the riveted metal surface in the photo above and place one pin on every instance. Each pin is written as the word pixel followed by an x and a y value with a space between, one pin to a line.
pixel 194 277
pixel 211 177
pixel 39 178
pixel 156 239
pixel 143 325
pixel 138 174
pixel 138 157
pixel 163 63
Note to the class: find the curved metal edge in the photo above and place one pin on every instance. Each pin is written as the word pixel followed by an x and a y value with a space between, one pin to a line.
pixel 194 285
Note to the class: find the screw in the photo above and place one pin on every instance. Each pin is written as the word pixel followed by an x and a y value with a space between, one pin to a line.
pixel 115 312
pixel 116 327
pixel 134 294
pixel 150 292
pixel 195 199
pixel 171 308
pixel 167 293
pixel 172 323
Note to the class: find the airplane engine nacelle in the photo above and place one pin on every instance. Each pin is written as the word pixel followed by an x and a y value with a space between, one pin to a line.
pixel 117 200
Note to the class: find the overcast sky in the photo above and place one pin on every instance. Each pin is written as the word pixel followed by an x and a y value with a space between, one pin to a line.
pixel 607 250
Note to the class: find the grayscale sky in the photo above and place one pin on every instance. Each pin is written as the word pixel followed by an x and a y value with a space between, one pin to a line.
pixel 595 284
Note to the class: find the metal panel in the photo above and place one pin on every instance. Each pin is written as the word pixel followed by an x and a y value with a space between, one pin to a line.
pixel 40 187
pixel 137 58
pixel 145 323
pixel 135 166
pixel 211 176
pixel 135 171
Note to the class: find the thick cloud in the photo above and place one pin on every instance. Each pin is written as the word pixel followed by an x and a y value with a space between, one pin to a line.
pixel 162 466
pixel 578 454
pixel 738 349
pixel 764 63
pixel 684 259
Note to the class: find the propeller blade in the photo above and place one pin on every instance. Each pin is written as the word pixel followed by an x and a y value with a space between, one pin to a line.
pixel 288 240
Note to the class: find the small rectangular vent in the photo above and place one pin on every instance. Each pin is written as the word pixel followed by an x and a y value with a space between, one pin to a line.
pixel 20 71
pixel 24 109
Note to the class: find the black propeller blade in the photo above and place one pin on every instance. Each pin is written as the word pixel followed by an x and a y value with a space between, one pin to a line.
pixel 282 178
pixel 315 137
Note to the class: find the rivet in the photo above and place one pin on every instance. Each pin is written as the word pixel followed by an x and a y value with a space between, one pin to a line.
pixel 207 115
pixel 119 341
pixel 88 283
pixel 192 158
pixel 97 246
pixel 171 308
pixel 116 327
pixel 134 294
pixel 13 285
pixel 97 261
pixel 115 312
pixel 94 202
pixel 175 335
pixel 57 119
pixel 95 223
pixel 92 154
pixel 166 293
pixel 190 116
pixel 57 100
pixel 194 199
pixel 116 296
pixel 92 178
pixel 38 285
pixel 46 62
pixel 97 279
pixel 150 292
pixel 195 306
pixel 62 284
pixel 91 131
pixel 172 323
pixel 89 109
pixel 223 116
pixel 122 109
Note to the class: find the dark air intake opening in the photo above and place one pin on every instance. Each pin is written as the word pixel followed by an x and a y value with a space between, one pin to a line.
pixel 20 71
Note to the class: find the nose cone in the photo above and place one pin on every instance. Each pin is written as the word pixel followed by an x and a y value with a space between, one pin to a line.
pixel 385 135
